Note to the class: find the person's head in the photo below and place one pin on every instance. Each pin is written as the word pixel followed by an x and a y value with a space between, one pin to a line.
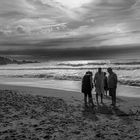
pixel 109 70
pixel 89 72
pixel 99 70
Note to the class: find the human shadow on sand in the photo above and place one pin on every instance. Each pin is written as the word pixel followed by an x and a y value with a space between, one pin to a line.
pixel 103 109
pixel 118 99
pixel 89 113
pixel 109 111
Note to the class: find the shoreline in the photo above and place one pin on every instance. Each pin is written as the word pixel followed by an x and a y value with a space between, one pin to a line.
pixel 66 85
pixel 69 96
pixel 131 83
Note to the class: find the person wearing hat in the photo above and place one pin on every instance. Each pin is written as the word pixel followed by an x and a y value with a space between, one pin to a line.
pixel 87 86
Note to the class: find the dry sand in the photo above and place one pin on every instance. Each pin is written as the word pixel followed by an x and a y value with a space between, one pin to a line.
pixel 29 113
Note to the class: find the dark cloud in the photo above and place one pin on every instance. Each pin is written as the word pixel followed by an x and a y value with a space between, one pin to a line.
pixel 34 26
pixel 117 4
pixel 11 14
pixel 20 30
pixel 80 53
pixel 2 33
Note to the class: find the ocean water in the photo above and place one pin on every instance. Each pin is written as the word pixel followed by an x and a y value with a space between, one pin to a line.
pixel 128 71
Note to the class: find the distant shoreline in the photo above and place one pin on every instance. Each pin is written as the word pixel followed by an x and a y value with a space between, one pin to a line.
pixel 65 85
pixel 71 78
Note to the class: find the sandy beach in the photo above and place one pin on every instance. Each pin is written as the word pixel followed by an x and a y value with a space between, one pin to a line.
pixel 35 113
pixel 48 48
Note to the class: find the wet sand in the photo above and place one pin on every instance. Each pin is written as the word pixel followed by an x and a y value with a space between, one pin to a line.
pixel 122 90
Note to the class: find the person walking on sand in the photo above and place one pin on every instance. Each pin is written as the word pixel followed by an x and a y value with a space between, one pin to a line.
pixel 87 86
pixel 105 84
pixel 112 85
pixel 99 84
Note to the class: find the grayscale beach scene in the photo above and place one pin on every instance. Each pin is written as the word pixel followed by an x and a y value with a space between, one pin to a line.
pixel 70 70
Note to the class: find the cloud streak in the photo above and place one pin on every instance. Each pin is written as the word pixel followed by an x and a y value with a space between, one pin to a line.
pixel 68 24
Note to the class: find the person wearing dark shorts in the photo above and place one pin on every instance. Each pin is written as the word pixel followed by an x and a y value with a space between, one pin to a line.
pixel 87 86
pixel 112 85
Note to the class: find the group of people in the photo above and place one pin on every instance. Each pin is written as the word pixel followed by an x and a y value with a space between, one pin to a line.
pixel 102 85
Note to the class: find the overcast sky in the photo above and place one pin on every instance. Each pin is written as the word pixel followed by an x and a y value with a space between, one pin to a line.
pixel 69 24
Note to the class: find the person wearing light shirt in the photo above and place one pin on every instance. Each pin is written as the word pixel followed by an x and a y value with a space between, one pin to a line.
pixel 99 84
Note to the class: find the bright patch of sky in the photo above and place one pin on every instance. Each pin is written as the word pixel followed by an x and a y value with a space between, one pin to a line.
pixel 73 3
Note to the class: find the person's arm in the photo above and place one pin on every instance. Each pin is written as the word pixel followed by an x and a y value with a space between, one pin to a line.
pixel 116 79
pixel 94 80
pixel 82 84
pixel 91 82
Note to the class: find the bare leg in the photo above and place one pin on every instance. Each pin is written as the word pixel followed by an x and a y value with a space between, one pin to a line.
pixel 101 98
pixel 91 101
pixel 97 98
pixel 106 92
pixel 114 97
